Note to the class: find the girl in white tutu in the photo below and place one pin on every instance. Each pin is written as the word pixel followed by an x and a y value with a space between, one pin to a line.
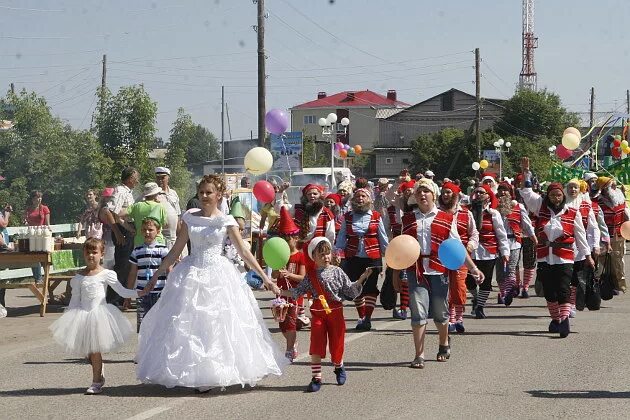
pixel 207 329
pixel 90 326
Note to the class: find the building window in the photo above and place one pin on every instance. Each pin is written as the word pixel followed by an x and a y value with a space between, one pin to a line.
pixel 309 119
pixel 389 161
pixel 448 101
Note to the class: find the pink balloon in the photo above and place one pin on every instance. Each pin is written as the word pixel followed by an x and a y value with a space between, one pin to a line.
pixel 338 146
pixel 264 191
pixel 276 121
pixel 562 152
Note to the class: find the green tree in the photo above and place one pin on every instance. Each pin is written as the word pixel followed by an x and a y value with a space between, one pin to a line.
pixel 203 145
pixel 312 155
pixel 42 153
pixel 534 114
pixel 125 126
pixel 448 153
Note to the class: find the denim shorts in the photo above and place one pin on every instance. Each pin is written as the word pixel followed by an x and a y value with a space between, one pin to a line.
pixel 428 299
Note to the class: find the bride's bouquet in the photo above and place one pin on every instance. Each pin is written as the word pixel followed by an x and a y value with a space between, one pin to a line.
pixel 279 309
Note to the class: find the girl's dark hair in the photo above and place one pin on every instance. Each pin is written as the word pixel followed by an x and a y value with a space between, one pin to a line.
pixel 36 193
pixel 323 247
pixel 215 180
pixel 93 244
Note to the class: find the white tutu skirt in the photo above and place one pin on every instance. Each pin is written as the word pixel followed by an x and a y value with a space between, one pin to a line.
pixel 100 330
pixel 206 330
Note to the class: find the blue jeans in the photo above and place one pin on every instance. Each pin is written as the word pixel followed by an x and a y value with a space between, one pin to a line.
pixel 145 303
pixel 426 299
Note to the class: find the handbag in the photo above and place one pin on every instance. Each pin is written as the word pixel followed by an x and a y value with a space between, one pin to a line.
pixel 538 286
pixel 606 281
pixel 580 292
pixel 592 296
pixel 388 294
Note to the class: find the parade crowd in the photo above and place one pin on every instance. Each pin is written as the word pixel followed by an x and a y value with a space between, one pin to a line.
pixel 198 321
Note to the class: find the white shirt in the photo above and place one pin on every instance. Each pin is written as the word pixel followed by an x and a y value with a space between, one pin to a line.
pixel 554 229
pixel 503 246
pixel 329 233
pixel 423 234
pixel 121 199
pixel 173 200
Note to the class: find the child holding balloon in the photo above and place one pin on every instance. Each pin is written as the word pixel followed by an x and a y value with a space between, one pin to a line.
pixel 289 277
pixel 329 286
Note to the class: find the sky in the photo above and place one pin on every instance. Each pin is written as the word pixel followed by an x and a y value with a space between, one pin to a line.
pixel 183 52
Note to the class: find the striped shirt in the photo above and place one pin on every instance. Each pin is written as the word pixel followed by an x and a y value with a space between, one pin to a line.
pixel 148 259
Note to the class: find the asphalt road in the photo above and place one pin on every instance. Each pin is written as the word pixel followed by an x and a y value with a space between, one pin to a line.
pixel 503 366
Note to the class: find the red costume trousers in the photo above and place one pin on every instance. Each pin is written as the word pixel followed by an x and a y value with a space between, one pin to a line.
pixel 457 286
pixel 328 329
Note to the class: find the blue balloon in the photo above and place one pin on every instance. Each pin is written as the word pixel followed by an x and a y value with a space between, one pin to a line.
pixel 452 254
pixel 253 280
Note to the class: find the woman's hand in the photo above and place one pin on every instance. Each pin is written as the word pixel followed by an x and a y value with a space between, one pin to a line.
pixel 477 275
pixel 271 286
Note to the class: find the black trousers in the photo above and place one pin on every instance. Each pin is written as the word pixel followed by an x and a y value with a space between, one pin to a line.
pixel 355 266
pixel 487 268
pixel 121 263
pixel 556 280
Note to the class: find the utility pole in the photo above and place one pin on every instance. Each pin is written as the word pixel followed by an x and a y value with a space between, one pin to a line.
pixel 103 82
pixel 478 100
pixel 222 129
pixel 12 89
pixel 592 112
pixel 628 101
pixel 260 30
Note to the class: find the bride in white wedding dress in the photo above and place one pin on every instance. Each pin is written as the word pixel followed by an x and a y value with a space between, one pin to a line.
pixel 206 330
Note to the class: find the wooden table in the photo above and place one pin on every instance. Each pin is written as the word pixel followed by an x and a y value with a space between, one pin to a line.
pixel 29 259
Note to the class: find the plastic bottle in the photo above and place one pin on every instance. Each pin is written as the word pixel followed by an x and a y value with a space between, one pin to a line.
pixel 39 239
pixel 49 243
pixel 30 235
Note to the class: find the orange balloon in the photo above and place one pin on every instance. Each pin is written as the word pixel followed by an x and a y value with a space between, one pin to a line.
pixel 402 252
pixel 343 153
pixel 358 149
pixel 625 230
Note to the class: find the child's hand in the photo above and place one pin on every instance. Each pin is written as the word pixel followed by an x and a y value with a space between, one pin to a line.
pixel 366 274
pixel 127 303
pixel 284 273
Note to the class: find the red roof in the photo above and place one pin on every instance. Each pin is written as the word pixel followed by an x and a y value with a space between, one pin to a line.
pixel 361 99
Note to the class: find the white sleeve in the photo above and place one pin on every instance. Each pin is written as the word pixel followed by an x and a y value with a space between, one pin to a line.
pixel 526 223
pixel 581 242
pixel 501 234
pixel 330 232
pixel 593 235
pixel 473 233
pixel 112 281
pixel 532 200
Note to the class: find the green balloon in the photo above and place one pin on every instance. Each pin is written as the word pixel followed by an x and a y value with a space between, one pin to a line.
pixel 276 253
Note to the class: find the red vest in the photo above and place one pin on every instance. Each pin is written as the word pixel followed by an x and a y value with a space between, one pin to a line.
pixel 463 219
pixel 370 238
pixel 337 225
pixel 613 218
pixel 322 220
pixel 568 237
pixel 440 231
pixel 487 237
pixel 584 208
pixel 515 219
pixel 394 226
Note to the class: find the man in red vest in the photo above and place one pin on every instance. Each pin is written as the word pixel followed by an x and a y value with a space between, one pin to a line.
pixel 428 279
pixel 613 205
pixel 517 226
pixel 493 245
pixel 312 217
pixel 362 239
pixel 561 236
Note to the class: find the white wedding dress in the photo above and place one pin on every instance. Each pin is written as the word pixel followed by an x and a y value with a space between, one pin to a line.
pixel 206 330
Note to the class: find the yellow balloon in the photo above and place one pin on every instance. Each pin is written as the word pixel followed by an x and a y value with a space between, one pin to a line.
pixel 483 164
pixel 258 161
pixel 571 141
pixel 402 252
pixel 624 143
pixel 572 130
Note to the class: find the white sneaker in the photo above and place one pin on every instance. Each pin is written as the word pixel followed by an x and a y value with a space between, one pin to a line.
pixel 95 388
pixel 304 320
pixel 572 313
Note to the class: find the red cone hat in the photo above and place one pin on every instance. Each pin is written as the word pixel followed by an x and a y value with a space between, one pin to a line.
pixel 287 226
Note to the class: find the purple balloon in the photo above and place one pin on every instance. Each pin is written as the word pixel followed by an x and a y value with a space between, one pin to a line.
pixel 346 146
pixel 338 146
pixel 276 121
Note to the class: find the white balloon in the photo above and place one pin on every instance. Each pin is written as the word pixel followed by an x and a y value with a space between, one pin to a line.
pixel 258 161
pixel 476 166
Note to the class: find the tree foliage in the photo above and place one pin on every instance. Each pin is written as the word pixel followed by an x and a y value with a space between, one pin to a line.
pixel 125 126
pixel 42 153
pixel 314 156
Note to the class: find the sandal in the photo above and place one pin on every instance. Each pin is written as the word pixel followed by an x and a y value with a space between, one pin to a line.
pixel 417 363
pixel 444 353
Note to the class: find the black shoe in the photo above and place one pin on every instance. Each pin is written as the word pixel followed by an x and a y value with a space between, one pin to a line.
pixel 340 373
pixel 479 314
pixel 564 329
pixel 508 299
pixel 314 385
pixel 474 307
pixel 554 326
pixel 524 294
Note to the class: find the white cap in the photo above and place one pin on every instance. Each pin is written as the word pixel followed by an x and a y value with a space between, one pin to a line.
pixel 313 244
pixel 162 170
pixel 589 175
pixel 429 173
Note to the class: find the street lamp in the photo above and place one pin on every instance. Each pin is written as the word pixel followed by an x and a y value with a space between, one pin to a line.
pixel 499 146
pixel 329 132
